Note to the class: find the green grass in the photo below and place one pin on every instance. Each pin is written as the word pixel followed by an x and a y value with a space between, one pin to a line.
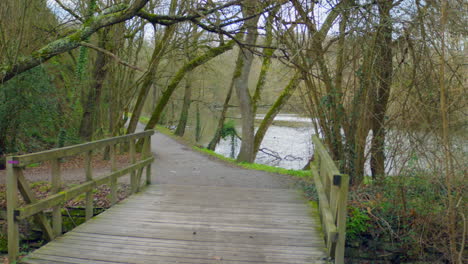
pixel 144 119
pixel 159 128
pixel 256 166
pixel 164 130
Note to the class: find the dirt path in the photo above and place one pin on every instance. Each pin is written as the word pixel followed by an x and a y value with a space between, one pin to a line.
pixel 177 163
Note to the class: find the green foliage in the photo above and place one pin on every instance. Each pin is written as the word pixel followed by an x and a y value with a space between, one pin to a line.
pixel 61 138
pixel 357 223
pixel 229 129
pixel 3 243
pixel 28 112
pixel 406 211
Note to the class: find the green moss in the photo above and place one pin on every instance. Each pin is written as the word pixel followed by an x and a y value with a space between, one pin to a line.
pixel 33 165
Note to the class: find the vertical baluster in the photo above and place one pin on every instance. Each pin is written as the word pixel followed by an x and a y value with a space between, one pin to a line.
pixel 133 174
pixel 12 203
pixel 113 184
pixel 56 186
pixel 341 221
pixel 89 177
pixel 147 155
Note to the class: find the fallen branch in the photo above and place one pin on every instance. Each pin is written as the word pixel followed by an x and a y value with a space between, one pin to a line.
pixel 271 153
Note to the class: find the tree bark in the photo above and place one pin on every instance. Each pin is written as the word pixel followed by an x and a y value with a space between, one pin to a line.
pixel 180 130
pixel 148 78
pixel 93 101
pixel 384 72
pixel 266 63
pixel 241 83
pixel 274 110
pixel 222 118
pixel 115 14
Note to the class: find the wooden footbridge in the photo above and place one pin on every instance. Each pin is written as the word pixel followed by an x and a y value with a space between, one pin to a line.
pixel 173 223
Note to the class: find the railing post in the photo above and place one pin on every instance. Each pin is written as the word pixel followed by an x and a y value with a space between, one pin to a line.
pixel 113 184
pixel 147 151
pixel 12 203
pixel 133 174
pixel 56 186
pixel 89 177
pixel 341 218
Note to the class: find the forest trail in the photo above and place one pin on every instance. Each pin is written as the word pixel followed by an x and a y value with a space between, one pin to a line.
pixel 198 210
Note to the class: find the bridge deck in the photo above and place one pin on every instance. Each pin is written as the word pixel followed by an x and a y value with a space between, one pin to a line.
pixel 170 223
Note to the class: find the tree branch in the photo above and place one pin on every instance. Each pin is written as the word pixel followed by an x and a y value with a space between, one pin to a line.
pixel 69 10
pixel 112 55
pixel 113 15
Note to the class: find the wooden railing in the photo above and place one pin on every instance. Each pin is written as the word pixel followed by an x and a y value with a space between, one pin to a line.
pixel 16 182
pixel 332 189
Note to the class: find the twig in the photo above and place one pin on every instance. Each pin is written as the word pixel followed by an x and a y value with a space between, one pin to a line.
pixel 115 57
pixel 271 153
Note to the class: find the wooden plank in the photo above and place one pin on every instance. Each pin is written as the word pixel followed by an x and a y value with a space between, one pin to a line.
pixel 12 203
pixel 51 259
pixel 133 176
pixel 341 219
pixel 332 200
pixel 23 160
pixel 89 177
pixel 330 228
pixel 113 180
pixel 249 230
pixel 138 179
pixel 228 254
pixel 147 153
pixel 148 174
pixel 56 186
pixel 73 192
pixel 29 197
pixel 182 244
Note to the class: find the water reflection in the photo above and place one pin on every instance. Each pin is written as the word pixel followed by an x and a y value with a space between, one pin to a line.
pixel 284 147
pixel 287 144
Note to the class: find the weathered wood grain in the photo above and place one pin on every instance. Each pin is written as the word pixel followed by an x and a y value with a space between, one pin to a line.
pixel 23 160
pixel 195 224
pixel 332 189
pixel 63 196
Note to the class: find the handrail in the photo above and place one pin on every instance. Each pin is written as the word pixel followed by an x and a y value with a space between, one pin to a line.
pixel 332 188
pixel 16 182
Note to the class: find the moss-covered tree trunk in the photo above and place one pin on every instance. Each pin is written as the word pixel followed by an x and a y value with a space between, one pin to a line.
pixel 266 63
pixel 191 65
pixel 275 109
pixel 184 113
pixel 384 71
pixel 148 79
pixel 222 117
pixel 191 48
pixel 241 82
pixel 113 15
pixel 93 100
